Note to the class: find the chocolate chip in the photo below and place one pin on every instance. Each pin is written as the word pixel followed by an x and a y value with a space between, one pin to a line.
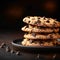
pixel 28 21
pixel 7 49
pixel 28 16
pixel 12 51
pixel 54 56
pixel 38 56
pixel 27 26
pixel 47 21
pixel 38 18
pixel 54 24
pixel 18 53
pixel 38 21
pixel 39 27
pixel 26 33
pixel 35 23
pixel 49 36
pixel 34 34
pixel 2 45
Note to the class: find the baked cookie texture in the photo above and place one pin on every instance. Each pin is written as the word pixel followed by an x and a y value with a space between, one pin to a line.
pixel 40 31
pixel 41 36
pixel 41 21
pixel 29 42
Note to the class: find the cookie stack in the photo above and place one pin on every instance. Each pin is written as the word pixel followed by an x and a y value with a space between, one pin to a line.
pixel 40 31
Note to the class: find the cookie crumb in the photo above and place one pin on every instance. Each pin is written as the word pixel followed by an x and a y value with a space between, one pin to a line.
pixel 38 56
pixel 12 51
pixel 2 45
pixel 7 49
pixel 18 53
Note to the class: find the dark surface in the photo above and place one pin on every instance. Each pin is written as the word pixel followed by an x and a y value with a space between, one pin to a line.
pixel 17 45
pixel 8 37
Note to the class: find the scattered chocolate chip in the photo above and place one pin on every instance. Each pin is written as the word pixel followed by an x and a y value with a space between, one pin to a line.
pixel 2 45
pixel 34 34
pixel 7 49
pixel 54 56
pixel 12 51
pixel 38 56
pixel 18 53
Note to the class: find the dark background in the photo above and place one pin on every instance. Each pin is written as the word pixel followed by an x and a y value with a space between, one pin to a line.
pixel 11 16
pixel 13 12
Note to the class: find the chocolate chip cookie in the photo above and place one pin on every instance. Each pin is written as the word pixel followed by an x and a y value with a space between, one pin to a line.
pixel 41 36
pixel 41 21
pixel 29 42
pixel 38 29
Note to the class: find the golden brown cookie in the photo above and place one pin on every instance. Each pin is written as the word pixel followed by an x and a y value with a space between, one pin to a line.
pixel 39 29
pixel 41 36
pixel 41 21
pixel 27 42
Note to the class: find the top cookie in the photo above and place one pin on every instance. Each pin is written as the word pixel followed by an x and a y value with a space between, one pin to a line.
pixel 41 21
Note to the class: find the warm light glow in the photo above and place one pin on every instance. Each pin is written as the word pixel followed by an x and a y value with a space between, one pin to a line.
pixel 14 11
pixel 50 6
